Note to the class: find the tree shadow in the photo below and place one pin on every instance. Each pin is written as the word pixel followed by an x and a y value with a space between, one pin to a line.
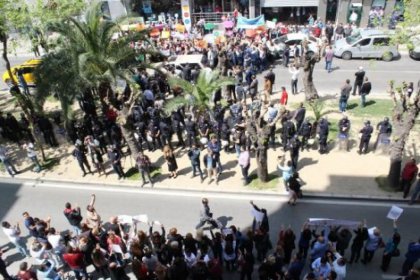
pixel 370 102
pixel 226 175
pixel 224 220
pixel 230 164
pixel 306 162
pixel 351 106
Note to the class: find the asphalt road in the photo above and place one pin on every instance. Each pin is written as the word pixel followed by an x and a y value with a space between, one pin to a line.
pixel 378 72
pixel 181 210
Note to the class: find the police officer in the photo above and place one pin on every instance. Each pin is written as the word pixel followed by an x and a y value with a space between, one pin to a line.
pixel 288 131
pixel 305 131
pixel 165 133
pixel 79 154
pixel 294 151
pixel 191 128
pixel 114 156
pixel 47 130
pixel 384 131
pixel 323 131
pixel 154 136
pixel 366 133
pixel 299 115
pixel 271 76
pixel 344 126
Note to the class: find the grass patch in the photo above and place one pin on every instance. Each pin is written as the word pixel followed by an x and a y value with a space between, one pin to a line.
pixel 333 133
pixel 134 175
pixel 257 184
pixel 384 185
pixel 50 163
pixel 375 108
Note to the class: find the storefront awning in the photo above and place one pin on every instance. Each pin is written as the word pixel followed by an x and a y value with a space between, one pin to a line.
pixel 289 3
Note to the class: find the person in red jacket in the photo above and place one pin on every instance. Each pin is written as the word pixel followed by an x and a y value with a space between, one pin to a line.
pixel 75 260
pixel 284 96
pixel 408 174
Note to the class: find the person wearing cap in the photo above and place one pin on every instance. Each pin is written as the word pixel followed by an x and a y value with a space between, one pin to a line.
pixel 365 134
pixel 384 129
pixel 323 132
pixel 358 82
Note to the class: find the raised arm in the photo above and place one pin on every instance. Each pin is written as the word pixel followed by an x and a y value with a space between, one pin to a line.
pixel 92 200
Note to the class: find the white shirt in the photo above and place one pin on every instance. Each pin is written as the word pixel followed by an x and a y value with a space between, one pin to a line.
pixel 56 241
pixel 12 234
pixel 295 73
pixel 339 269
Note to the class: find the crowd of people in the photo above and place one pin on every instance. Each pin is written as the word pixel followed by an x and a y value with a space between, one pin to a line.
pixel 236 110
pixel 215 251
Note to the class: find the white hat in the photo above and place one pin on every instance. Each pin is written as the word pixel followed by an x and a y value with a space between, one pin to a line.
pixel 360 67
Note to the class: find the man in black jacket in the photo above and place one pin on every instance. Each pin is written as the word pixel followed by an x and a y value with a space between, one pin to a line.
pixel 360 75
pixel 365 90
pixel 366 133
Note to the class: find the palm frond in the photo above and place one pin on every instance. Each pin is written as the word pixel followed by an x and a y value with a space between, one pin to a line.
pixel 174 104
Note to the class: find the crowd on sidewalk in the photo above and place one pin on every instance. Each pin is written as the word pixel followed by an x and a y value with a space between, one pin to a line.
pixel 118 247
pixel 236 111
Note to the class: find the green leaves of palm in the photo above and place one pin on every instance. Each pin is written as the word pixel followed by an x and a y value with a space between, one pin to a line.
pixel 199 94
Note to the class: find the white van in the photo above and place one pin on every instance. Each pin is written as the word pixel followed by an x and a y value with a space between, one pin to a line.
pixel 369 43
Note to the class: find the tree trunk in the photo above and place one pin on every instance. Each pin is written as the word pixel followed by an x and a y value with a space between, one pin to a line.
pixel 24 102
pixel 309 87
pixel 262 170
pixel 404 122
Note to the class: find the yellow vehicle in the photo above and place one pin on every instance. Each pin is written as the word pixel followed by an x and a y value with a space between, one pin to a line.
pixel 27 68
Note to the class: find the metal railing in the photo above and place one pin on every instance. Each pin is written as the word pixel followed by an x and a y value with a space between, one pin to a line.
pixel 209 17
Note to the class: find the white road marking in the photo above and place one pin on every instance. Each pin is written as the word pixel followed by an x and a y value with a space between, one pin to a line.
pixel 283 197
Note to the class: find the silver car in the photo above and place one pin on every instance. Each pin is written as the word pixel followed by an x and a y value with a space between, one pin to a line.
pixel 366 44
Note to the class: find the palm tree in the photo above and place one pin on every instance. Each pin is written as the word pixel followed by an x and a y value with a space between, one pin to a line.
pixel 197 96
pixel 100 59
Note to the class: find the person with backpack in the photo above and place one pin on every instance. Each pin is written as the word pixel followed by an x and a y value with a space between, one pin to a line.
pixel 143 165
pixel 74 217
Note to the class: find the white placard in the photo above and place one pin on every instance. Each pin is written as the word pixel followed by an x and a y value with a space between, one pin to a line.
pixel 395 212
pixel 141 218
pixel 116 249
pixel 257 215
pixel 125 219
pixel 157 223
pixel 270 24
pixel 371 230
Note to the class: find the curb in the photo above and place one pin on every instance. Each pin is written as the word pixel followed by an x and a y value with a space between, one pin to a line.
pixel 163 187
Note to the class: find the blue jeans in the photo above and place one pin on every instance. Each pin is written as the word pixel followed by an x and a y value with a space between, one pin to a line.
pixel 328 65
pixel 363 99
pixel 342 105
pixel 20 245
pixel 195 168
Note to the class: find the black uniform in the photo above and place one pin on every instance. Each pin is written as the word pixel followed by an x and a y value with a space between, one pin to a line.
pixel 80 156
pixel 115 158
pixel 191 128
pixel 384 131
pixel 323 135
pixel 365 138
pixel 360 75
pixel 305 131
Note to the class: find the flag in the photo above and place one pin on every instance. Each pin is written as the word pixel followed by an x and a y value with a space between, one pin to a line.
pixel 252 23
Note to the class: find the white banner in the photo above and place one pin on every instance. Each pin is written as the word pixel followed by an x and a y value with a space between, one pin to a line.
pixel 332 222
pixel 186 14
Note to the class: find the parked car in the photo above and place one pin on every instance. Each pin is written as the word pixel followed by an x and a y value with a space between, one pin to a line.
pixel 279 43
pixel 368 43
pixel 27 69
pixel 414 47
